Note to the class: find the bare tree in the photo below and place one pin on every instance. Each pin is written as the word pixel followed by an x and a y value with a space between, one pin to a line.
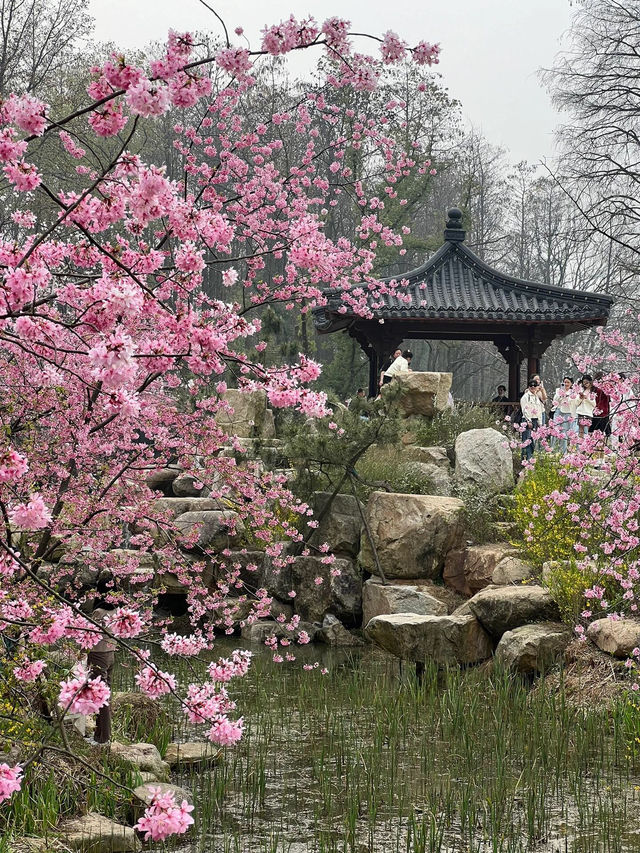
pixel 37 40
pixel 597 84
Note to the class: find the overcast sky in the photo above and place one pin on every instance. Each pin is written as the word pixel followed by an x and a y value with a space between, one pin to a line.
pixel 491 49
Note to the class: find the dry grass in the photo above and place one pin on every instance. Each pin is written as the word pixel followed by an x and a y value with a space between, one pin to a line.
pixel 589 678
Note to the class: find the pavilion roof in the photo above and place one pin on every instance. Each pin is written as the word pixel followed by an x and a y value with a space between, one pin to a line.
pixel 454 284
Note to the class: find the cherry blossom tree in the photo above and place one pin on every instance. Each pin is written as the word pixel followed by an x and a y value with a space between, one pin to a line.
pixel 107 325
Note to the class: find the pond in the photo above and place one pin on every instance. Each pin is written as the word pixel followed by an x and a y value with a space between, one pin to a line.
pixel 365 760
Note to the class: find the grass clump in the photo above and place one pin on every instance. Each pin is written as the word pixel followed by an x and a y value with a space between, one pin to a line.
pixel 386 467
pixel 443 429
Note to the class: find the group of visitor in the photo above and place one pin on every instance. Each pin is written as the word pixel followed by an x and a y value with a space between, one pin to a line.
pixel 577 408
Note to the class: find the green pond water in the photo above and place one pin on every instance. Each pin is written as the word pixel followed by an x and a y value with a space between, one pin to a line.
pixel 365 759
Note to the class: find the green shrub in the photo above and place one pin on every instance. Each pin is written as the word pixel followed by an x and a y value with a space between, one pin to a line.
pixel 443 429
pixel 481 513
pixel 386 467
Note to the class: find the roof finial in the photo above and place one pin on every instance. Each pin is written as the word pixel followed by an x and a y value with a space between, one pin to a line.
pixel 454 232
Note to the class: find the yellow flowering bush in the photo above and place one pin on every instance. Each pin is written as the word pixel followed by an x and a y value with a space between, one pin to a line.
pixel 544 529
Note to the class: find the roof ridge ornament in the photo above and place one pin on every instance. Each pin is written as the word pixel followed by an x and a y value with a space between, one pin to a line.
pixel 454 232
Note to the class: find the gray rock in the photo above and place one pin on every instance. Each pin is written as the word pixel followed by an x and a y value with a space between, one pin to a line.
pixel 340 527
pixel 191 754
pixel 237 612
pixel 340 595
pixel 333 633
pixel 439 479
pixel 510 570
pixel 504 608
pixel 379 599
pixel 412 533
pixel 248 416
pixel 212 527
pixel 617 637
pixel 189 570
pixel 184 486
pixel 94 833
pixel 423 393
pixel 144 795
pixel 446 640
pixel 179 506
pixel 533 648
pixel 453 575
pixel 436 456
pixel 262 629
pixel 249 566
pixel 161 480
pixel 141 756
pixel 278 581
pixel 480 562
pixel 483 460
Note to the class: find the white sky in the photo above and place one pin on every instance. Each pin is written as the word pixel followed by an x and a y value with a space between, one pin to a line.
pixel 491 49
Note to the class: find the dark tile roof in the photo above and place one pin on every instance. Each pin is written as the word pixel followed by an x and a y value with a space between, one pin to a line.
pixel 455 284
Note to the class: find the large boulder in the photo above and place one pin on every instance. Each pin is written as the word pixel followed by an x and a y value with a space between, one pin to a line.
pixel 511 569
pixel 319 590
pixel 484 461
pixel 453 575
pixel 94 833
pixel 379 599
pixel 436 456
pixel 617 637
pixel 340 526
pixel 504 608
pixel 412 533
pixel 211 526
pixel 141 756
pixel 446 640
pixel 423 393
pixel 188 486
pixel 533 648
pixel 237 612
pixel 247 416
pixel 189 570
pixel 245 567
pixel 191 754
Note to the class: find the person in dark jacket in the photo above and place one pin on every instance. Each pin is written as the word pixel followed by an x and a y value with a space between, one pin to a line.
pixel 601 414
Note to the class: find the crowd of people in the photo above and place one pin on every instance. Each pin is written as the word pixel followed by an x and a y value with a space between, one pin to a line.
pixel 576 408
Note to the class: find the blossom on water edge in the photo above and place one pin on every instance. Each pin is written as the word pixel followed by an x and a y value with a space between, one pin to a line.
pixel 164 817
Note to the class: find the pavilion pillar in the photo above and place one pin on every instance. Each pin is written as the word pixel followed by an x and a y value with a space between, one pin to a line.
pixel 514 361
pixel 533 366
pixel 374 370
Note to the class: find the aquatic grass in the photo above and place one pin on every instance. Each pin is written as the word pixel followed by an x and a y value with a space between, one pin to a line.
pixel 366 759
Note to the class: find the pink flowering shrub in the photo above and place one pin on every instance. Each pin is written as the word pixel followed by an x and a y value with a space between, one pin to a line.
pixel 164 817
pixel 115 349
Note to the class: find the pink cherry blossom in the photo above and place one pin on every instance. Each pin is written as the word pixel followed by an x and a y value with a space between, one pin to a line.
pixel 33 515
pixel 10 780
pixel 164 817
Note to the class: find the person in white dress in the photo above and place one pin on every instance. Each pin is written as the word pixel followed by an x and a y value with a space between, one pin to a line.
pixel 586 404
pixel 565 403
